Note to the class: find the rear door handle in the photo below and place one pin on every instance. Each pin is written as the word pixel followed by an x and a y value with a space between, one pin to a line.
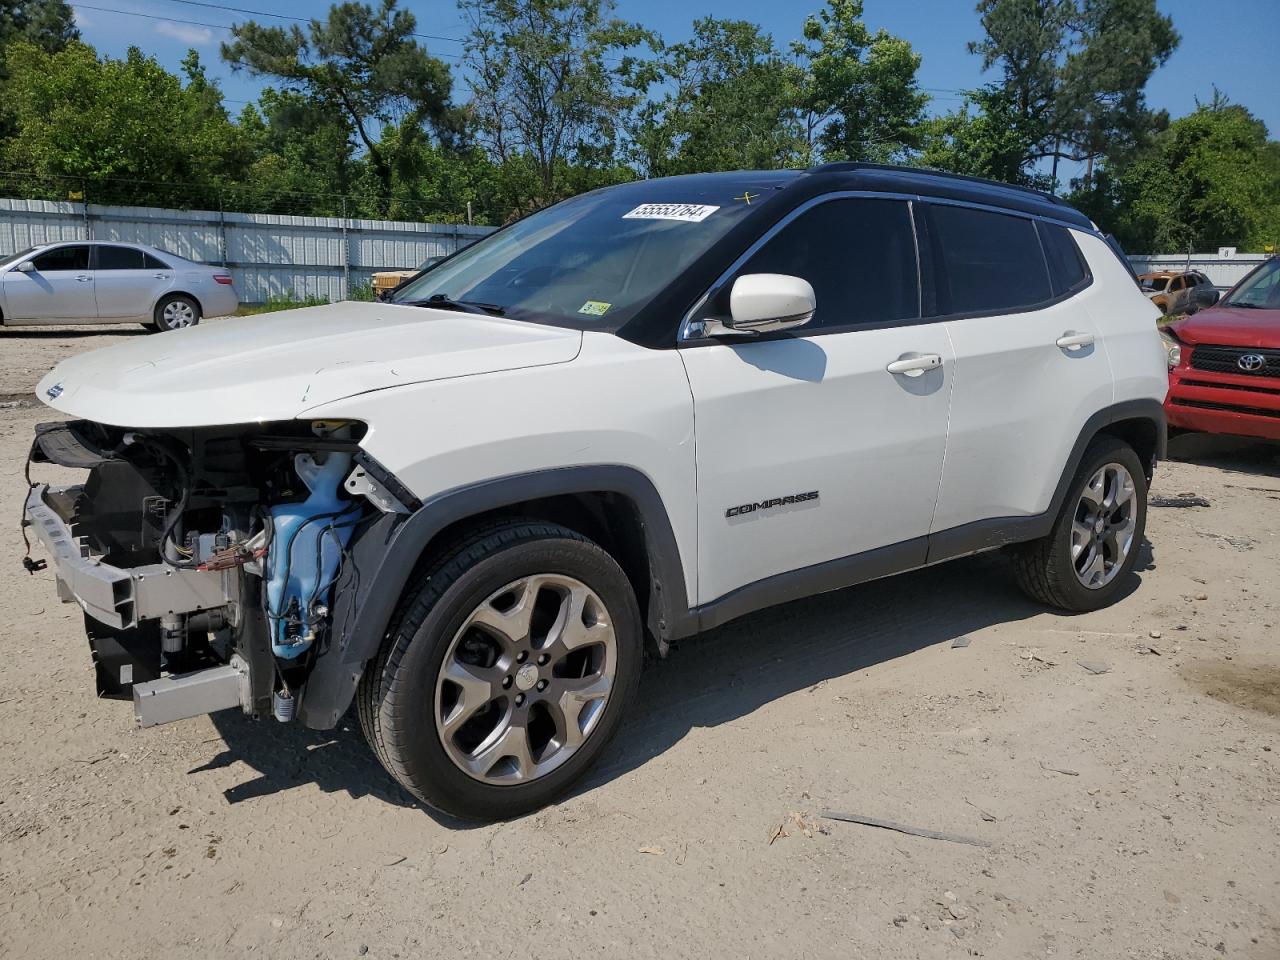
pixel 84 279
pixel 1072 340
pixel 915 365
pixel 162 276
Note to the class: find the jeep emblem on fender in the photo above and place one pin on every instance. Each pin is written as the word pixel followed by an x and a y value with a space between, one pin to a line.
pixel 1251 362
pixel 54 392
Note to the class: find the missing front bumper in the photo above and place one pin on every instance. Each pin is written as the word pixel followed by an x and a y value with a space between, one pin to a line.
pixel 116 596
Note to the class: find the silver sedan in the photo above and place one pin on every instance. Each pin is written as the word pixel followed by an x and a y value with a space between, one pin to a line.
pixel 91 282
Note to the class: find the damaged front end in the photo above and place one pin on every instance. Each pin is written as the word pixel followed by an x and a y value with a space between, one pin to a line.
pixel 206 560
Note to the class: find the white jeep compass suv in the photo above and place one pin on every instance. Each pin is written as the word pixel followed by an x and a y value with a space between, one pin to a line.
pixel 630 417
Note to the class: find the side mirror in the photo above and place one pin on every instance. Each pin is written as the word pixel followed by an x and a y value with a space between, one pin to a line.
pixel 26 266
pixel 765 303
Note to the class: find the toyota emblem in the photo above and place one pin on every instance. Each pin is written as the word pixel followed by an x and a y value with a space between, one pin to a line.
pixel 1251 362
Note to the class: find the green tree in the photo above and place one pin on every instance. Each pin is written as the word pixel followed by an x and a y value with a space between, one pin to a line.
pixel 361 64
pixel 47 24
pixel 859 94
pixel 731 102
pixel 987 137
pixel 1211 179
pixel 544 98
pixel 105 121
pixel 1073 72
pixel 303 158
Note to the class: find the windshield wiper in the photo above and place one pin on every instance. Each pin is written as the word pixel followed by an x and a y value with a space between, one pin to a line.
pixel 444 302
pixel 1242 303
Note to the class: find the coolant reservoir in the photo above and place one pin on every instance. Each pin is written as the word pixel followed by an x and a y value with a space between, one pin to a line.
pixel 307 543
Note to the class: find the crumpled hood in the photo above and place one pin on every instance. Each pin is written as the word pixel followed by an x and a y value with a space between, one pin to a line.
pixel 1231 327
pixel 277 366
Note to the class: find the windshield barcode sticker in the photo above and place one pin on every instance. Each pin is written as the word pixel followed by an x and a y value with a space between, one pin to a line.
pixel 688 212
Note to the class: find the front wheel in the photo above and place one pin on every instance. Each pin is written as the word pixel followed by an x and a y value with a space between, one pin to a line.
pixel 176 312
pixel 507 673
pixel 1083 562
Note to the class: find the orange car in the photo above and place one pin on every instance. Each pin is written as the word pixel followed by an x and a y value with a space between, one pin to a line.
pixel 1175 293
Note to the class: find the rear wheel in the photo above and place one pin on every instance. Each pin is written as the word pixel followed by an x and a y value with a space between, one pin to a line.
pixel 508 671
pixel 175 312
pixel 1093 546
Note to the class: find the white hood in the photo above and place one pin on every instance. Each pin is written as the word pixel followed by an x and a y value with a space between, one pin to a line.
pixel 276 366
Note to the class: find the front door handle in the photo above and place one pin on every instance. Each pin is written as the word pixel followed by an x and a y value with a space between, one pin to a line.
pixel 84 279
pixel 1073 340
pixel 914 365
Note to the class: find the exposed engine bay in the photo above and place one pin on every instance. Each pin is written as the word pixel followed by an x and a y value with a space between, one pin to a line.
pixel 205 560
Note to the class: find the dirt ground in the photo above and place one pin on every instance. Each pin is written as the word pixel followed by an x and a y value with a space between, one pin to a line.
pixel 1129 813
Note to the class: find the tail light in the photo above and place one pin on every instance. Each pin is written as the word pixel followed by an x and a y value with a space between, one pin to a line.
pixel 222 278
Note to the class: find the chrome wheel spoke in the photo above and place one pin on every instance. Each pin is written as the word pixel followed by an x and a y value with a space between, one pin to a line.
pixel 506 757
pixel 476 691
pixel 512 623
pixel 581 622
pixel 573 721
pixel 1095 490
pixel 1081 537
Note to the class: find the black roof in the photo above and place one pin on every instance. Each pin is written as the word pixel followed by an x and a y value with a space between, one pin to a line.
pixel 952 186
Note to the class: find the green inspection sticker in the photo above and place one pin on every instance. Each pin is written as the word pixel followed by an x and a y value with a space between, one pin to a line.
pixel 595 308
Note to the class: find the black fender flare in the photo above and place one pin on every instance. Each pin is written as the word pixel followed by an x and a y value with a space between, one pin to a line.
pixel 383 556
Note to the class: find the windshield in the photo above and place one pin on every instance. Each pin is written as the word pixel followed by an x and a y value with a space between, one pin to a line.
pixel 590 262
pixel 1155 283
pixel 1260 290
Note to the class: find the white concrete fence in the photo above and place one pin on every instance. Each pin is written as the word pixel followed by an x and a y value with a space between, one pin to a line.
pixel 267 254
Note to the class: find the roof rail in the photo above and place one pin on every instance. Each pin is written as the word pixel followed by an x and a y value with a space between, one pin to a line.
pixel 851 166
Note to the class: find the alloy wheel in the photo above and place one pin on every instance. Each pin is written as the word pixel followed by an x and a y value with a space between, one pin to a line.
pixel 526 679
pixel 1102 531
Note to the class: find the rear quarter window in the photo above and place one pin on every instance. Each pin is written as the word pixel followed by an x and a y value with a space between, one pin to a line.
pixel 1067 269
pixel 986 262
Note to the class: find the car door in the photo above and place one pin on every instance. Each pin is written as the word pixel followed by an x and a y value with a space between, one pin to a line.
pixel 58 289
pixel 126 287
pixel 1177 295
pixel 810 452
pixel 1031 364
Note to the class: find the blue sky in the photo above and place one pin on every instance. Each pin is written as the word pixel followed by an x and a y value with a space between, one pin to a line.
pixel 1231 44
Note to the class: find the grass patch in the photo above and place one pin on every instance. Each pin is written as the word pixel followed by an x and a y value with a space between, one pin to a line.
pixel 281 302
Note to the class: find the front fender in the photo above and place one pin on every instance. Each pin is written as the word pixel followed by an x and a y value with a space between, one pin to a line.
pixel 383 556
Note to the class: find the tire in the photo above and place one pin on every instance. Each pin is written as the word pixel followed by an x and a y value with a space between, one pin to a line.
pixel 409 702
pixel 1047 569
pixel 175 312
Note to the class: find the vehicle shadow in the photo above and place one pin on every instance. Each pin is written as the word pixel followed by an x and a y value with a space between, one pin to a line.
pixel 709 680
pixel 1238 454
pixel 730 672
pixel 286 756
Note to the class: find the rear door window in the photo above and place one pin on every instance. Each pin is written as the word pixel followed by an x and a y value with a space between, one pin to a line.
pixel 986 262
pixel 119 258
pixel 63 258
pixel 859 256
pixel 155 263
